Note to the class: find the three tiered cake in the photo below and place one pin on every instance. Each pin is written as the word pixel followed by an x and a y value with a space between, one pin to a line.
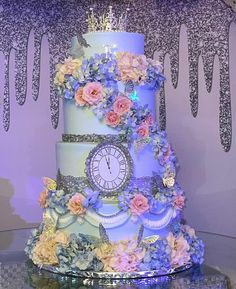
pixel 115 209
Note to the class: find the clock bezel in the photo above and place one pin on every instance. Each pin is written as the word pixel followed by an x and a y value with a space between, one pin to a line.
pixel 129 166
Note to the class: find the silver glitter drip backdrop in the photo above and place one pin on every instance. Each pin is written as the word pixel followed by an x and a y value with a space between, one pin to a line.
pixel 207 22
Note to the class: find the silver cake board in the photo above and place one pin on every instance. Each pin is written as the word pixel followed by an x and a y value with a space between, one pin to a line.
pixel 118 275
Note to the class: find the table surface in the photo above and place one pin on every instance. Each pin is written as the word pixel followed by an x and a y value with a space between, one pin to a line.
pixel 218 272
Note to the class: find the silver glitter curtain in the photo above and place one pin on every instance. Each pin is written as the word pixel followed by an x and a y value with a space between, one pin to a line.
pixel 207 22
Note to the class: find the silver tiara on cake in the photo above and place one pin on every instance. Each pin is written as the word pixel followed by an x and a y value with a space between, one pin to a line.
pixel 107 21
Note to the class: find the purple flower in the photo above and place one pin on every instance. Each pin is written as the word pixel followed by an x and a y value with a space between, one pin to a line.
pixel 92 199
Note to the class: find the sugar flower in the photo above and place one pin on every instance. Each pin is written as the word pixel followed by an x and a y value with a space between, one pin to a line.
pixel 43 198
pixel 49 184
pixel 121 256
pixel 68 67
pixel 131 66
pixel 169 177
pixel 143 130
pixel 179 202
pixel 139 204
pixel 122 105
pixel 44 252
pixel 79 97
pixel 188 230
pixel 168 182
pixel 112 119
pixel 149 120
pixel 75 205
pixel 93 92
pixel 179 250
pixel 61 238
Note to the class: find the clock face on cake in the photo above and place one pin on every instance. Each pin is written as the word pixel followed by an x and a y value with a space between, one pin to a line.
pixel 109 167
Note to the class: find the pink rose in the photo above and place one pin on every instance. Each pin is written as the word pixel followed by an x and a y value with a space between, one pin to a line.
pixel 179 202
pixel 139 204
pixel 149 120
pixel 75 205
pixel 79 97
pixel 122 105
pixel 112 119
pixel 93 92
pixel 43 198
pixel 143 130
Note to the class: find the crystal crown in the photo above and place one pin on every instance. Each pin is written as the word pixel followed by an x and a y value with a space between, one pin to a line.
pixel 107 21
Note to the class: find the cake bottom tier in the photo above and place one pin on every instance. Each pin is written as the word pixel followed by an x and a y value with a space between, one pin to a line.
pixel 128 250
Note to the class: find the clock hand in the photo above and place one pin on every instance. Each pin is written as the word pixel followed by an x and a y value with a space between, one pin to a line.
pixel 108 164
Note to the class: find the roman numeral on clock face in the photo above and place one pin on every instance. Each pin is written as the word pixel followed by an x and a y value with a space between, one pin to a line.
pixel 122 162
pixel 101 153
pixel 113 184
pixel 95 169
pixel 106 185
pixel 108 150
pixel 123 170
pixel 97 177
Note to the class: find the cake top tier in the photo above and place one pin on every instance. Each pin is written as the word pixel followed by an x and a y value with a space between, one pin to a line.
pixel 110 42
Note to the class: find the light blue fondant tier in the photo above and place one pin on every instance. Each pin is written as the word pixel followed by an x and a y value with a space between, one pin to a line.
pixel 71 157
pixel 116 41
pixel 82 120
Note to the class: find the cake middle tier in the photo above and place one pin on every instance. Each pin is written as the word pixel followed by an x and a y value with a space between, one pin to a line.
pixel 71 158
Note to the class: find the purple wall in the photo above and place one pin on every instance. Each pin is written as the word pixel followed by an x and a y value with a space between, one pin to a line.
pixel 27 150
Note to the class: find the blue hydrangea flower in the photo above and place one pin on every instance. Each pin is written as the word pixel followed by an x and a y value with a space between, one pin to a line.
pixel 92 199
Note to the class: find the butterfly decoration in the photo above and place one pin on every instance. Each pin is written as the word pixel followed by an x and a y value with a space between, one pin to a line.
pixel 150 239
pixel 140 235
pixel 82 41
pixel 49 225
pixel 49 184
pixel 103 234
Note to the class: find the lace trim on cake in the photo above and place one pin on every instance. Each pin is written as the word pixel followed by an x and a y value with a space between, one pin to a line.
pixel 71 184
pixel 94 138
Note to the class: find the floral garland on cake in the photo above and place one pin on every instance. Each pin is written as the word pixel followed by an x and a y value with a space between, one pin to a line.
pixel 135 201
